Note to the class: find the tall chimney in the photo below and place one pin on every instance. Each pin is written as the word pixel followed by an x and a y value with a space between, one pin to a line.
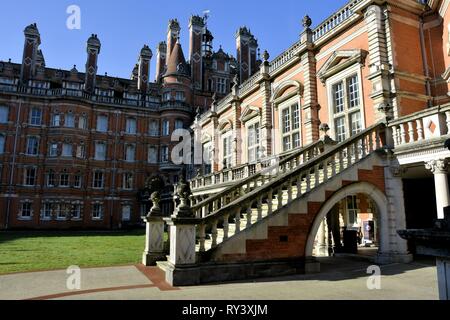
pixel 173 33
pixel 93 50
pixel 144 68
pixel 247 47
pixel 196 29
pixel 161 60
pixel 30 52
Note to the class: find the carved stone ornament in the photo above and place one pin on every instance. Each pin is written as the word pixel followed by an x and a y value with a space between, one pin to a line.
pixel 437 166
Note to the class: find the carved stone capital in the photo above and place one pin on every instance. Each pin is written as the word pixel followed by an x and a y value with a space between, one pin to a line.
pixel 437 166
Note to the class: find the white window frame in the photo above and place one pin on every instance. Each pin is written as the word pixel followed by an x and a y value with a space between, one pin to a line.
pixel 125 181
pixel 98 155
pixel 47 179
pixel 27 217
pixel 165 128
pixel 343 77
pixel 82 123
pixel 2 143
pixel 129 128
pixel 284 105
pixel 126 213
pixel 100 119
pixel 152 159
pixel 227 158
pixel 71 123
pixel 130 156
pixel 94 180
pixel 53 152
pixel 66 147
pixel 257 146
pixel 98 210
pixel 33 118
pixel 56 120
pixel 36 146
pixel 164 155
pixel 154 131
pixel 65 174
pixel 25 178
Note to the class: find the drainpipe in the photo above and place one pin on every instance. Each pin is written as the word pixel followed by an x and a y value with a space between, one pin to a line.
pixel 113 182
pixel 425 63
pixel 13 164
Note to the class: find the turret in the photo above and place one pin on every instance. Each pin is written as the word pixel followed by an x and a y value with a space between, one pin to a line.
pixel 173 33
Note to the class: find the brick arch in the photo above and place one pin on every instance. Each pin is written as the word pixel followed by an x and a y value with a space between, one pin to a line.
pixel 366 188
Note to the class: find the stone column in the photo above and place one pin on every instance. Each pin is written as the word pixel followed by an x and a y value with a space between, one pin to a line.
pixel 322 243
pixel 379 66
pixel 181 267
pixel 440 170
pixel 311 106
pixel 154 238
pixel 237 134
pixel 266 111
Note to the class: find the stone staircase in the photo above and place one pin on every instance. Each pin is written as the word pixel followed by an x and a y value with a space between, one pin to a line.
pixel 243 213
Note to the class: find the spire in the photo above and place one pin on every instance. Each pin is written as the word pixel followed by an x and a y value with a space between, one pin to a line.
pixel 177 62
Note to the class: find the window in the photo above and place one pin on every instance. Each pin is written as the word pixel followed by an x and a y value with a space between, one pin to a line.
pixel 26 210
pixel 253 142
pixel 47 211
pixel 53 150
pixel 290 121
pixel 76 211
pixel 167 96
pixel 346 107
pixel 35 117
pixel 131 126
pixel 152 155
pixel 64 180
pixel 77 181
pixel 126 213
pixel 154 128
pixel 227 150
pixel 56 120
pixel 100 151
pixel 82 123
pixel 130 153
pixel 166 128
pixel 4 112
pixel 69 121
pixel 221 85
pixel 102 123
pixel 67 150
pixel 30 177
pixel 97 211
pixel 51 180
pixel 179 96
pixel 179 124
pixel 207 158
pixel 32 146
pixel 98 182
pixel 352 210
pixel 164 154
pixel 81 151
pixel 2 144
pixel 128 181
pixel 64 211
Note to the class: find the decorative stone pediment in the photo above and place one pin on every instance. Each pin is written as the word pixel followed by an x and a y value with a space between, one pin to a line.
pixel 225 126
pixel 280 89
pixel 249 113
pixel 206 138
pixel 339 61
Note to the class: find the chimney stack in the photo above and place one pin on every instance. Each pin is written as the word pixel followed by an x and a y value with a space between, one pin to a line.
pixel 173 33
pixel 161 60
pixel 144 68
pixel 196 31
pixel 30 53
pixel 247 47
pixel 93 50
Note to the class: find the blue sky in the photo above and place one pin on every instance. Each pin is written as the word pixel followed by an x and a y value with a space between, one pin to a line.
pixel 125 26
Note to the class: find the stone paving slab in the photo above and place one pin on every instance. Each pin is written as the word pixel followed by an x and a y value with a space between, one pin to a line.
pixel 39 284
pixel 342 278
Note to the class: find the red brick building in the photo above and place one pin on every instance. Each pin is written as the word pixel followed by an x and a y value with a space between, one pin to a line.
pixel 77 148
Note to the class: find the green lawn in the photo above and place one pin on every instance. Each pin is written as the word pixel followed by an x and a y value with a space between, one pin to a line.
pixel 33 251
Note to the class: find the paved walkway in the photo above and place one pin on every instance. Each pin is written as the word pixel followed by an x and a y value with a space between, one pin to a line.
pixel 341 278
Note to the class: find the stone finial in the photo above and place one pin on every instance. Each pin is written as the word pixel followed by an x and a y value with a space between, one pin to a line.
pixel 324 127
pixel 266 56
pixel 307 22
pixel 184 192
pixel 155 198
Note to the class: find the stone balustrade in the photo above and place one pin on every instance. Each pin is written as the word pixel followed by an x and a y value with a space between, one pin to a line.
pixel 425 125
pixel 238 208
pixel 248 170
